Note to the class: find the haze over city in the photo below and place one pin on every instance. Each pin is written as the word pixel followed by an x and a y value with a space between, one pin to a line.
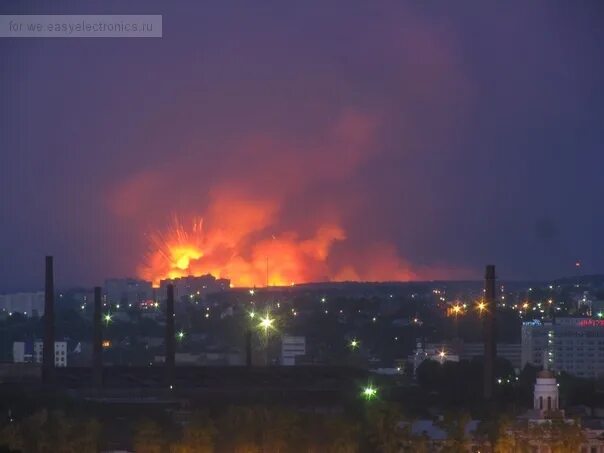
pixel 372 142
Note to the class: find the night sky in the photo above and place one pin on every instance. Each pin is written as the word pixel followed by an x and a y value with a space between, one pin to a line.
pixel 438 136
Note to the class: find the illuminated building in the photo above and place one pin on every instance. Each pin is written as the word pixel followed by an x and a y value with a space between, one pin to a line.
pixel 573 345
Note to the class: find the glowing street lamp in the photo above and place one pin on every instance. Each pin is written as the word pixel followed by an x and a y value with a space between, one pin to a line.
pixel 107 318
pixel 266 323
pixel 354 343
pixel 180 335
pixel 481 306
pixel 442 355
pixel 252 292
pixel 252 314
pixel 369 392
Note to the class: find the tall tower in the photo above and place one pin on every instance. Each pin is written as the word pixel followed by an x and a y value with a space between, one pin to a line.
pixel 170 347
pixel 248 347
pixel 490 346
pixel 48 349
pixel 97 340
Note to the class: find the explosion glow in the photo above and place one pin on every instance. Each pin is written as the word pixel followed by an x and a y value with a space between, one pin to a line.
pixel 279 260
pixel 249 259
pixel 265 220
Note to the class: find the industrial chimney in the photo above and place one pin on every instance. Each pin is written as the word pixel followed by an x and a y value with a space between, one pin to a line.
pixel 490 346
pixel 170 334
pixel 48 350
pixel 248 348
pixel 97 340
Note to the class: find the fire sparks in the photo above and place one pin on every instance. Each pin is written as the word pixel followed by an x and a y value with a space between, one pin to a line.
pixel 241 238
pixel 278 260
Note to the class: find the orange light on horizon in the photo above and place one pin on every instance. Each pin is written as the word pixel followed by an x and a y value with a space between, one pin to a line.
pixel 279 261
pixel 235 245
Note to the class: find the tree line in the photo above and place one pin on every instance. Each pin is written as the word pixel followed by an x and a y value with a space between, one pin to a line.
pixel 379 427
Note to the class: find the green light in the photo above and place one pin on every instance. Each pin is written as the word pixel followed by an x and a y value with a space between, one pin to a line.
pixel 369 392
pixel 354 343
pixel 252 314
pixel 600 314
pixel 107 318
pixel 180 335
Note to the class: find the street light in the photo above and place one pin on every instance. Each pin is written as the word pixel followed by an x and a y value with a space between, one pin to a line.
pixel 481 306
pixel 354 343
pixel 442 356
pixel 107 318
pixel 180 335
pixel 266 323
pixel 369 392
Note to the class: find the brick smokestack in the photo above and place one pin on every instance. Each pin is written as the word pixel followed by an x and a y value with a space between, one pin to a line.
pixel 97 340
pixel 490 345
pixel 170 347
pixel 248 347
pixel 48 351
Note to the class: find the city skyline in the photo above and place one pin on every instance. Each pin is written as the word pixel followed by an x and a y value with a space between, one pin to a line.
pixel 370 142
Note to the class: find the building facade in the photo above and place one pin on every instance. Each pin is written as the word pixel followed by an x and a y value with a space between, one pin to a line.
pixel 572 345
pixel 31 352
pixel 128 291
pixel 28 304
pixel 430 351
pixel 508 351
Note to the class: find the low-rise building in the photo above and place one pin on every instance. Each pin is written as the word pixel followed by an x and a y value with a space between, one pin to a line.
pixel 438 352
pixel 31 352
